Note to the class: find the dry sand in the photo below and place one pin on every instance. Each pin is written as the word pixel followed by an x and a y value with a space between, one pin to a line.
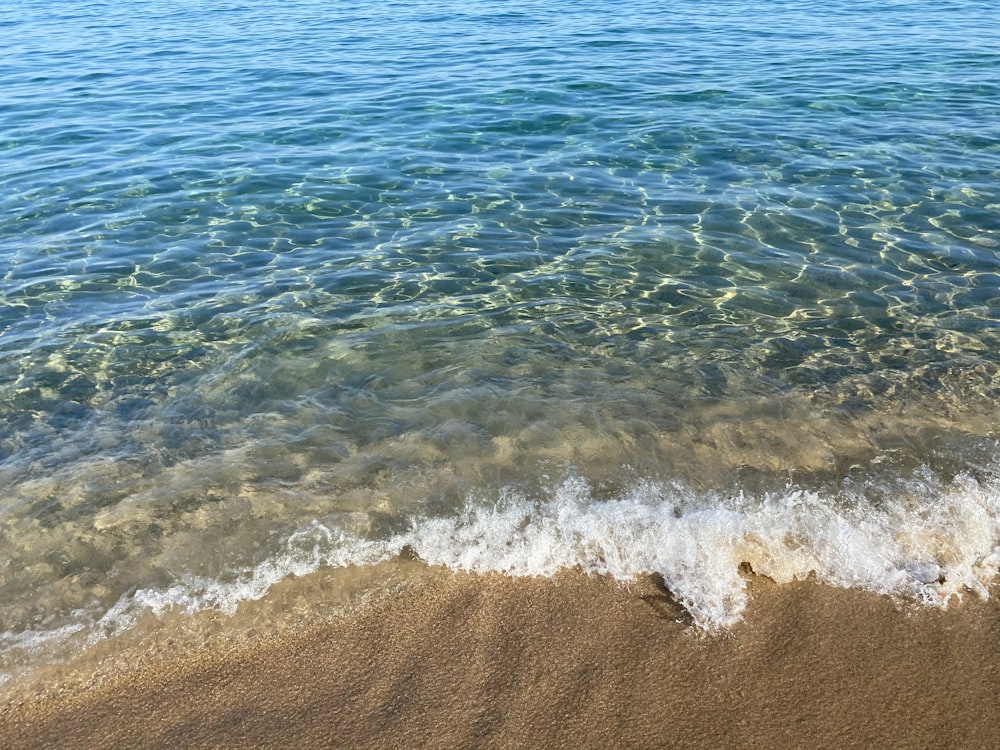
pixel 462 661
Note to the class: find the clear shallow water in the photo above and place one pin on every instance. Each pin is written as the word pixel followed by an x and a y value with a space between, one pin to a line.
pixel 519 285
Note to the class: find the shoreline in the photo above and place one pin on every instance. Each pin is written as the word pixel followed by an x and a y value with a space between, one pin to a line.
pixel 440 659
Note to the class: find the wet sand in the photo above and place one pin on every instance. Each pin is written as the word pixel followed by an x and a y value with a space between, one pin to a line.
pixel 462 661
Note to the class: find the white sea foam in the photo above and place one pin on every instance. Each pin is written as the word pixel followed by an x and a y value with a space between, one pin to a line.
pixel 930 550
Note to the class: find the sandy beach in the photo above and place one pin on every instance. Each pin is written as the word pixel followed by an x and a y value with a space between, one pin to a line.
pixel 448 374
pixel 458 660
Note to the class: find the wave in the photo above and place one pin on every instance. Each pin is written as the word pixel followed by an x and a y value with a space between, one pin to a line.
pixel 931 550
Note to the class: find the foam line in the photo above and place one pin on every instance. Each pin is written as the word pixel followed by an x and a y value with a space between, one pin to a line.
pixel 929 549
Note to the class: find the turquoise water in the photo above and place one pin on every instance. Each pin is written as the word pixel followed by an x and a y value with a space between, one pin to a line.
pixel 522 285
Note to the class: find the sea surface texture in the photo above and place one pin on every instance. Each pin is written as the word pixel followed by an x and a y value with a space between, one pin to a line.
pixel 669 287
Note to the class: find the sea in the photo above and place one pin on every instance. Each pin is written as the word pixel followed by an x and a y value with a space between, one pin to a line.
pixel 675 288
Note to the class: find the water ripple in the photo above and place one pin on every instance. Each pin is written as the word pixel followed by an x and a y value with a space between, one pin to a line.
pixel 263 264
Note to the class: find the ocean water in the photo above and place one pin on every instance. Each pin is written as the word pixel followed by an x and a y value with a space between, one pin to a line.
pixel 657 287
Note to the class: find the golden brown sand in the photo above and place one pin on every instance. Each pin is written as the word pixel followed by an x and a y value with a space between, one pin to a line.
pixel 460 661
